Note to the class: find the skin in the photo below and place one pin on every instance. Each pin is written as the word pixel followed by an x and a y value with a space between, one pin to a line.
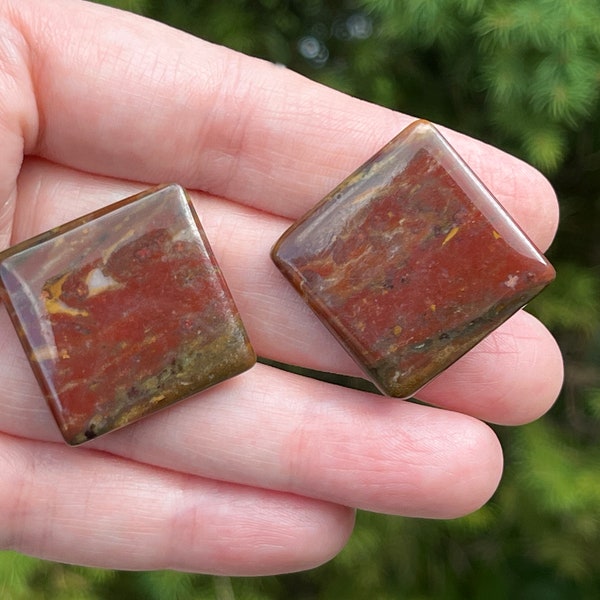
pixel 259 474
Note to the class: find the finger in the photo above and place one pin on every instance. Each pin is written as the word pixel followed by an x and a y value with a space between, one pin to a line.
pixel 512 377
pixel 220 121
pixel 18 116
pixel 89 508
pixel 275 430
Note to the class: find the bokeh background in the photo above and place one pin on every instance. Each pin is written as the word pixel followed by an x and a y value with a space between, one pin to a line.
pixel 520 74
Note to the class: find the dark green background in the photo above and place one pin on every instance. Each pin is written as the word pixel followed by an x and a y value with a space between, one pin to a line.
pixel 520 74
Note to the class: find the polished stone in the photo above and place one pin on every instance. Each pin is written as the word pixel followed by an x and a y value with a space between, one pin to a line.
pixel 410 261
pixel 123 312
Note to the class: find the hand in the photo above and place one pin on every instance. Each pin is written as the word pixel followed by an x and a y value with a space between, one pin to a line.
pixel 256 475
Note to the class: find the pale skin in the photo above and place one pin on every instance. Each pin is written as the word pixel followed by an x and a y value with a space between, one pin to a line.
pixel 261 474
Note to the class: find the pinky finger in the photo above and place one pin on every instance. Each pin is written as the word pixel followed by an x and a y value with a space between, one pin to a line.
pixel 93 509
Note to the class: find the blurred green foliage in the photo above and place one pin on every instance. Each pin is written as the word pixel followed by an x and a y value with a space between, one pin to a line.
pixel 523 75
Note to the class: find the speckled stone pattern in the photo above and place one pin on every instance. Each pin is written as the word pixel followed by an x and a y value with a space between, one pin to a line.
pixel 123 312
pixel 411 261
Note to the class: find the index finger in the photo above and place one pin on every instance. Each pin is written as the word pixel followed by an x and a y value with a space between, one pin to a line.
pixel 119 95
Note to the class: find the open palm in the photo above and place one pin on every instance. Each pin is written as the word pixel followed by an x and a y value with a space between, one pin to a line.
pixel 261 473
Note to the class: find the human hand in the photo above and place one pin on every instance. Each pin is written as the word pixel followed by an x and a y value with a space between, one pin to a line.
pixel 256 475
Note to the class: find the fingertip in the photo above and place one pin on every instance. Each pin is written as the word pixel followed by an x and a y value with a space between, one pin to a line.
pixel 483 463
pixel 512 377
pixel 467 470
pixel 527 391
pixel 295 534
pixel 331 540
pixel 314 532
pixel 317 539
pixel 532 202
pixel 541 375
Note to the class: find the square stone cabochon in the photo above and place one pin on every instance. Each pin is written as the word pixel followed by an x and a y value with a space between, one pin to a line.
pixel 411 261
pixel 123 312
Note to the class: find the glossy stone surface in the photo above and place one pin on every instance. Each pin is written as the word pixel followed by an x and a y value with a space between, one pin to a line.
pixel 411 261
pixel 123 312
